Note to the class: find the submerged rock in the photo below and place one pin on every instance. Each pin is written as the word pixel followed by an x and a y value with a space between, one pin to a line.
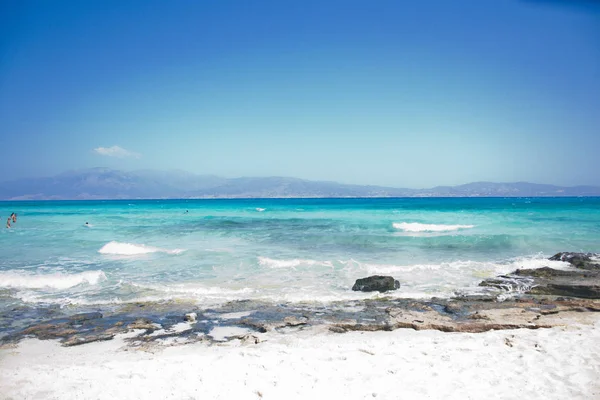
pixel 85 316
pixel 376 283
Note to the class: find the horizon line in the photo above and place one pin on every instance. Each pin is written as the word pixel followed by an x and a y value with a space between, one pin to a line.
pixel 303 179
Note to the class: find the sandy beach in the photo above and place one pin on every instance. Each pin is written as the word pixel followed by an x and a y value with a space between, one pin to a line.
pixel 555 363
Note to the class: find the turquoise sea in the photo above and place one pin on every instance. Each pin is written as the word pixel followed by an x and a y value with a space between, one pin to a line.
pixel 280 250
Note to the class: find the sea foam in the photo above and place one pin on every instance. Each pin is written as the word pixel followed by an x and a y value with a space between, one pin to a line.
pixel 20 279
pixel 129 249
pixel 417 227
pixel 272 263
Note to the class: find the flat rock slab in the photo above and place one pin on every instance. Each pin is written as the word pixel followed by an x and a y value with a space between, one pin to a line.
pixel 548 281
pixel 467 314
pixel 579 260
pixel 583 281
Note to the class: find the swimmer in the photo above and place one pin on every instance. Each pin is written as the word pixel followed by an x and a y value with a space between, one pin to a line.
pixel 14 217
pixel 8 222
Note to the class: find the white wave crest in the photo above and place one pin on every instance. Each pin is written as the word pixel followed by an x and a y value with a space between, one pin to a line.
pixel 129 249
pixel 271 263
pixel 538 261
pixel 417 227
pixel 194 288
pixel 21 279
pixel 459 269
pixel 260 209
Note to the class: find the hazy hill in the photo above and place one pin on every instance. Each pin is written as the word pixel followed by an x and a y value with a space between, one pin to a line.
pixel 104 183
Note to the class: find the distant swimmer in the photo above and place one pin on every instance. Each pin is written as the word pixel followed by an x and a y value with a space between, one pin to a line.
pixel 8 222
pixel 87 225
pixel 14 217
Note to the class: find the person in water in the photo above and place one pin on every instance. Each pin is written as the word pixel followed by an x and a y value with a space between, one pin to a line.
pixel 8 222
pixel 14 217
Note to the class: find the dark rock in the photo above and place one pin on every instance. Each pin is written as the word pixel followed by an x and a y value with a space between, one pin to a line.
pixel 475 297
pixel 295 321
pixel 578 260
pixel 85 316
pixel 581 291
pixel 342 328
pixel 546 272
pixel 376 283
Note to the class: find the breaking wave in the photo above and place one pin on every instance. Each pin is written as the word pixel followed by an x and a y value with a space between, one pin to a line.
pixel 417 227
pixel 20 279
pixel 296 262
pixel 129 249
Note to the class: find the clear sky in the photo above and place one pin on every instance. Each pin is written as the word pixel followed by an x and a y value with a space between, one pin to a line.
pixel 400 93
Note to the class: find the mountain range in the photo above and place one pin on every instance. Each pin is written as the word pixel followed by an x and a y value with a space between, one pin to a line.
pixel 104 183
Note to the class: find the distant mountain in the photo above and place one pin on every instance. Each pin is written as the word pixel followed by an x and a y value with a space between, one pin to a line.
pixel 104 183
pixel 517 189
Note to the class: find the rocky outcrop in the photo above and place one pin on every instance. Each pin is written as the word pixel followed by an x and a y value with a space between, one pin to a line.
pixel 461 314
pixel 266 326
pixel 583 281
pixel 589 261
pixel 474 316
pixel 376 283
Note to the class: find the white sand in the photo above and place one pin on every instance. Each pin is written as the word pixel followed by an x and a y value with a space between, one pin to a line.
pixel 556 363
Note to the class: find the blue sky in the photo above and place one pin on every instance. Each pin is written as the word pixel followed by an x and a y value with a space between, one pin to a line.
pixel 400 93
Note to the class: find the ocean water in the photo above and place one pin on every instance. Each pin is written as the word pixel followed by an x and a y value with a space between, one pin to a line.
pixel 279 250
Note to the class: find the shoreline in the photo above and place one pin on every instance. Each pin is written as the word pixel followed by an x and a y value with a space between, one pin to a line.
pixel 536 343
pixel 544 298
